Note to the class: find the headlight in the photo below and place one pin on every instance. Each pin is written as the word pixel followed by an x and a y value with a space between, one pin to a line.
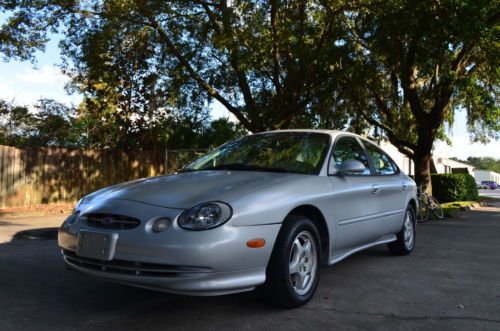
pixel 205 216
pixel 72 218
pixel 80 202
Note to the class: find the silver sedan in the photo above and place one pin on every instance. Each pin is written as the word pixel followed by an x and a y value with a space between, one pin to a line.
pixel 263 211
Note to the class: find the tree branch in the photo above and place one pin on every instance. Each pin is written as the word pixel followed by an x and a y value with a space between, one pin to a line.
pixel 403 146
pixel 276 53
pixel 243 83
pixel 193 73
pixel 408 82
pixel 234 59
pixel 381 104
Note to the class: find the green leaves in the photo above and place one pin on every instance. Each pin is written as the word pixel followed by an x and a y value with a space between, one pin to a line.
pixel 268 62
pixel 49 125
pixel 403 66
pixel 454 187
pixel 421 60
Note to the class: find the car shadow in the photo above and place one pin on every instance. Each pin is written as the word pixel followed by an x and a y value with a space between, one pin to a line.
pixel 39 291
pixel 38 282
pixel 37 234
pixel 40 287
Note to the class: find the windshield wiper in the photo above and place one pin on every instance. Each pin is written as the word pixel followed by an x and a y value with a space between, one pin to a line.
pixel 244 167
pixel 186 170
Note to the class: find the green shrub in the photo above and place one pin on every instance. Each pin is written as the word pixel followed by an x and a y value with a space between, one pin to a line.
pixel 454 187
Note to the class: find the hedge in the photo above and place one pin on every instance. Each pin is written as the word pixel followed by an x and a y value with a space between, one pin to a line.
pixel 454 187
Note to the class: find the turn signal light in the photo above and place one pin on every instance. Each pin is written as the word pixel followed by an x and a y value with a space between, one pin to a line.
pixel 256 243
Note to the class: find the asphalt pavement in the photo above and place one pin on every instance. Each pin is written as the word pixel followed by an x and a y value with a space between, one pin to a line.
pixel 451 281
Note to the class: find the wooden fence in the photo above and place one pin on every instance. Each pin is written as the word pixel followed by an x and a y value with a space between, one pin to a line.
pixel 58 175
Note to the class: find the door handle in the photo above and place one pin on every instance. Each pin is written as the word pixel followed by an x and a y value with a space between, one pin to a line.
pixel 375 188
pixel 404 186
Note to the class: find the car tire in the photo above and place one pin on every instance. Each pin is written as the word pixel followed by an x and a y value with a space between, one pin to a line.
pixel 292 274
pixel 405 241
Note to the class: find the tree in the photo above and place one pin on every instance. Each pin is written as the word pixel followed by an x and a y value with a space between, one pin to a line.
pixel 219 132
pixel 52 124
pixel 267 62
pixel 15 120
pixel 416 62
pixel 49 124
pixel 404 66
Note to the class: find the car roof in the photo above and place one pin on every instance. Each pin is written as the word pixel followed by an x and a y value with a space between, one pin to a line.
pixel 332 133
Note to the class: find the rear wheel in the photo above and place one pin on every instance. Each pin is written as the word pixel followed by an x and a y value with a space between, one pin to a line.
pixel 293 270
pixel 406 237
pixel 423 211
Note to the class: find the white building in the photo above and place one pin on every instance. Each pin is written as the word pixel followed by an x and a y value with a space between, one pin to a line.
pixel 442 164
pixel 481 175
pixel 403 162
pixel 447 166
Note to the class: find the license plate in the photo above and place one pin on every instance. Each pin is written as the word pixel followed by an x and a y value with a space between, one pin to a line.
pixel 96 245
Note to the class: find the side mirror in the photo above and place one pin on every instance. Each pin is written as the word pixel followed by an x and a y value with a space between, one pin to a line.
pixel 349 167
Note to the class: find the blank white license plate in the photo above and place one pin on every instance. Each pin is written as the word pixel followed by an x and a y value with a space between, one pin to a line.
pixel 96 245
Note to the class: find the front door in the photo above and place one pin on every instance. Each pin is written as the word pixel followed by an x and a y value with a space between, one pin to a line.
pixel 353 203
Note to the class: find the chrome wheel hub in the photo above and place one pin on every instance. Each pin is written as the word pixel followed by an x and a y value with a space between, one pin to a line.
pixel 303 262
pixel 408 230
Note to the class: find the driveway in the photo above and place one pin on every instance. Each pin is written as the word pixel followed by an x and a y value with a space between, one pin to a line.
pixel 451 281
pixel 490 193
pixel 12 227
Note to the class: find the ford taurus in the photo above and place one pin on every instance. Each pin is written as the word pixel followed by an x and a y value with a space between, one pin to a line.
pixel 264 211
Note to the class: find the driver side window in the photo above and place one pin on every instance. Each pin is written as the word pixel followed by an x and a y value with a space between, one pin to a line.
pixel 382 163
pixel 348 148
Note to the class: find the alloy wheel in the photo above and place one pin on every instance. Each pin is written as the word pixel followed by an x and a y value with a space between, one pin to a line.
pixel 409 236
pixel 303 263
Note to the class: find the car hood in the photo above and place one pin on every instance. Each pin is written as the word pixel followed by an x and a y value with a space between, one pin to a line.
pixel 185 190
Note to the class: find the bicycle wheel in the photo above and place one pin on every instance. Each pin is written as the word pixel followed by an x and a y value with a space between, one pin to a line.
pixel 423 212
pixel 435 208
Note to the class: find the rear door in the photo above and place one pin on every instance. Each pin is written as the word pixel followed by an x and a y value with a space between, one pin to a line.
pixel 390 194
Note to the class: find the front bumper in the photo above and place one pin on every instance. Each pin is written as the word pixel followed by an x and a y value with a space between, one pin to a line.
pixel 177 280
pixel 210 262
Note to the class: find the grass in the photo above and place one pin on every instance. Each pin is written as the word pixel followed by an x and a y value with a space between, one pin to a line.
pixel 450 207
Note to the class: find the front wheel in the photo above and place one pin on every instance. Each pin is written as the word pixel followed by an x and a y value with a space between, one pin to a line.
pixel 406 237
pixel 293 271
pixel 435 208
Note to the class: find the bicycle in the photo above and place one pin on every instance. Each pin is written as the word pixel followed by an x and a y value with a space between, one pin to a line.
pixel 428 205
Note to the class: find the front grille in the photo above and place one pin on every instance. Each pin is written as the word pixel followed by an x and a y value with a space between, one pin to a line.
pixel 132 268
pixel 110 221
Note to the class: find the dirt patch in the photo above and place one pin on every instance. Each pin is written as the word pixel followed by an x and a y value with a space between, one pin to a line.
pixel 34 211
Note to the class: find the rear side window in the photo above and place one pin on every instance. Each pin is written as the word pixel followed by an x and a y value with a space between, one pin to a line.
pixel 381 162
pixel 348 148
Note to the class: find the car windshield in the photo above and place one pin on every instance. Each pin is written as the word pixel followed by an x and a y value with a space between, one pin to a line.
pixel 298 152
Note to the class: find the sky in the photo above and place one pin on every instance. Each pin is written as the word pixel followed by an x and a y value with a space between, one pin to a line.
pixel 25 83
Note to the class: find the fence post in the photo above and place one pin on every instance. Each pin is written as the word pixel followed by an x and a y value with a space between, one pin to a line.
pixel 165 166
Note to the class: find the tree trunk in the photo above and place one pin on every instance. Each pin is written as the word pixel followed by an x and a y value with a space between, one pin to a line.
pixel 422 167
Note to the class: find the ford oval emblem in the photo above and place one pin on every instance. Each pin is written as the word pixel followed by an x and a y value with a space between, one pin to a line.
pixel 106 220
